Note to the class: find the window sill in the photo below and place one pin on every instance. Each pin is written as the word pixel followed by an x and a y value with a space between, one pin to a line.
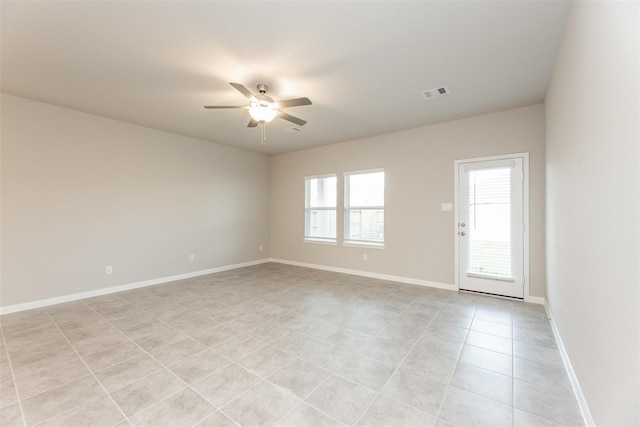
pixel 363 244
pixel 321 241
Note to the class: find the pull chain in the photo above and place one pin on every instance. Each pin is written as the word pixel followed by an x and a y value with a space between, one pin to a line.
pixel 264 133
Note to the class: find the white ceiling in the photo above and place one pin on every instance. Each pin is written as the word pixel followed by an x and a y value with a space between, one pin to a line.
pixel 363 64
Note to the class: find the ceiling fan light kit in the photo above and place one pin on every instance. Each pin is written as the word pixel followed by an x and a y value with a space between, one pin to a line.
pixel 263 111
pixel 263 108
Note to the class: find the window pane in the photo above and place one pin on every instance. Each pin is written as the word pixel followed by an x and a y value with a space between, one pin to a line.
pixel 320 208
pixel 366 189
pixel 364 208
pixel 366 225
pixel 322 192
pixel 322 224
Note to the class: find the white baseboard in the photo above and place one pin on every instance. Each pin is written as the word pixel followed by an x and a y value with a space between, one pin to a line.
pixel 582 401
pixel 534 300
pixel 401 279
pixel 104 291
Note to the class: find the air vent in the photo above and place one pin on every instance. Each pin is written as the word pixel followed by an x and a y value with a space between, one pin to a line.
pixel 293 130
pixel 434 93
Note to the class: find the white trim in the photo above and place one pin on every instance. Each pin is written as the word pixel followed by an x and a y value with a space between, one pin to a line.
pixel 582 401
pixel 488 164
pixel 326 175
pixel 152 282
pixel 534 300
pixel 104 291
pixel 320 241
pixel 401 279
pixel 362 172
pixel 525 209
pixel 362 244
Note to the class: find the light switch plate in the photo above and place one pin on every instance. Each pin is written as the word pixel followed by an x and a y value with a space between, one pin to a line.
pixel 446 207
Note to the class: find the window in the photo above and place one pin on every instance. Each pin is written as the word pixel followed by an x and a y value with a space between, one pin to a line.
pixel 364 208
pixel 320 208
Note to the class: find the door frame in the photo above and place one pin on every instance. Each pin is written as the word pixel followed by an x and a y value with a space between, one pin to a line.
pixel 525 214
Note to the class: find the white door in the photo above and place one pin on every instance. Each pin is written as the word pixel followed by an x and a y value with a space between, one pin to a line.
pixel 490 226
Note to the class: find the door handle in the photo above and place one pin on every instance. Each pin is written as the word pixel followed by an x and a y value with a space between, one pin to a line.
pixel 462 233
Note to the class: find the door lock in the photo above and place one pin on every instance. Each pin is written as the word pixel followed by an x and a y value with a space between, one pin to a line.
pixel 462 233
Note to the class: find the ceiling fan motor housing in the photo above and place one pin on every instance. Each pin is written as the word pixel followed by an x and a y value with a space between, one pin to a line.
pixel 264 100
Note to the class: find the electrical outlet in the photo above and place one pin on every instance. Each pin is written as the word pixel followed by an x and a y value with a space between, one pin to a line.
pixel 108 269
pixel 559 305
pixel 365 257
pixel 192 257
pixel 260 248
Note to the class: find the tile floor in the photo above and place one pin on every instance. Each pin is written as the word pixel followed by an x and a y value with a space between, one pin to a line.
pixel 280 345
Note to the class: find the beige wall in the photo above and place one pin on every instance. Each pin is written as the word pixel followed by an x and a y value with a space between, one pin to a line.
pixel 80 192
pixel 419 239
pixel 593 235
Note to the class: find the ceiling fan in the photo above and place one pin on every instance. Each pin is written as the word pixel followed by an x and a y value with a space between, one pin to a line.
pixel 263 108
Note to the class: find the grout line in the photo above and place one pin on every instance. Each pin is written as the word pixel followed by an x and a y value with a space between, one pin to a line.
pixel 72 409
pixel 304 401
pixel 219 409
pixel 212 414
pixel 400 364
pixel 13 376
pixel 513 373
pixel 187 385
pixel 295 357
pixel 457 362
pixel 281 291
pixel 265 379
pixel 91 372
pixel 132 341
pixel 164 366
pixel 279 387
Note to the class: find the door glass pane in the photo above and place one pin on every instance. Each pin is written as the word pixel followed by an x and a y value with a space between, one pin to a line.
pixel 489 226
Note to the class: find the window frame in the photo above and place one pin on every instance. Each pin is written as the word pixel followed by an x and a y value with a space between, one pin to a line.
pixel 308 209
pixel 347 208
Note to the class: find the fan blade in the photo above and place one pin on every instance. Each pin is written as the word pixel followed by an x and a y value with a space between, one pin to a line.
pixel 243 90
pixel 224 106
pixel 252 123
pixel 291 118
pixel 294 102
